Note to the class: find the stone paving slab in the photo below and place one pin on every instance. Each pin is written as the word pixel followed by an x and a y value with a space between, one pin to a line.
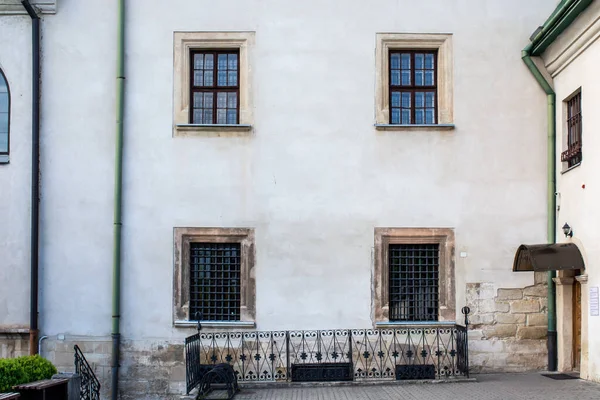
pixel 532 386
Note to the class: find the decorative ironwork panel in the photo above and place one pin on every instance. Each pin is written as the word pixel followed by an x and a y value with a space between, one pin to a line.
pixel 90 386
pixel 215 281
pixel 410 372
pixel 413 282
pixel 326 372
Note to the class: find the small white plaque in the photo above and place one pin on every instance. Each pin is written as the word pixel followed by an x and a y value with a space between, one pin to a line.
pixel 594 301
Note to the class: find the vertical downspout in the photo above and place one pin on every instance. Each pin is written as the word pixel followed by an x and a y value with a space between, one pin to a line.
pixel 116 291
pixel 551 227
pixel 35 176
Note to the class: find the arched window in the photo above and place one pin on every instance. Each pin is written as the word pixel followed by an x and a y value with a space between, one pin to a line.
pixel 4 117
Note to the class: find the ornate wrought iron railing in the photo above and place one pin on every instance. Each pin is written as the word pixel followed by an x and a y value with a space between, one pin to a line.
pixel 90 386
pixel 411 352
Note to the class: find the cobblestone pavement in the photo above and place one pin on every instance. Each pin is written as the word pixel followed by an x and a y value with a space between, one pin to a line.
pixel 531 386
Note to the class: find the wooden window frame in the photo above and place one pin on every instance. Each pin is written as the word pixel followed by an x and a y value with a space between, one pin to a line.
pixel 4 155
pixel 214 89
pixel 413 88
pixel 182 237
pixel 447 292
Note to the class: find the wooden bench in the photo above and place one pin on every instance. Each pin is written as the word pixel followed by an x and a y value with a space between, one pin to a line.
pixel 55 389
pixel 9 396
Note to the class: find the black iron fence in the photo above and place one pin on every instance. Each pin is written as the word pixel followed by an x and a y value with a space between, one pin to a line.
pixel 90 386
pixel 411 352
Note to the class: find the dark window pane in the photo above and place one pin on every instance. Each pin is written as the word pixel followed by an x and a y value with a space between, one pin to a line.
pixel 197 117
pixel 406 99
pixel 198 100
pixel 395 78
pixel 406 116
pixel 3 142
pixel 419 78
pixel 222 78
pixel 430 116
pixel 222 100
pixel 419 61
pixel 395 99
pixel 209 61
pixel 419 116
pixel 232 100
pixel 198 61
pixel 430 99
pixel 405 78
pixel 395 61
pixel 429 78
pixel 221 116
pixel 232 77
pixel 207 117
pixel 395 115
pixel 429 61
pixel 208 100
pixel 405 61
pixel 231 116
pixel 419 99
pixel 208 78
pixel 3 122
pixel 198 78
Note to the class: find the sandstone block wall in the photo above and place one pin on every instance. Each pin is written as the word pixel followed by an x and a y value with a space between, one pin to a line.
pixel 508 328
pixel 14 345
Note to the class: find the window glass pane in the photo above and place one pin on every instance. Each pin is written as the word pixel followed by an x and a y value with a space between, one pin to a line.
pixel 208 78
pixel 221 116
pixel 209 61
pixel 3 142
pixel 232 116
pixel 232 78
pixel 406 99
pixel 222 61
pixel 419 116
pixel 429 78
pixel 395 61
pixel 395 99
pixel 4 102
pixel 395 78
pixel 405 61
pixel 208 100
pixel 419 99
pixel 429 116
pixel 3 88
pixel 430 99
pixel 405 77
pixel 429 61
pixel 419 78
pixel 3 122
pixel 222 78
pixel 231 100
pixel 419 61
pixel 198 61
pixel 198 100
pixel 395 115
pixel 233 61
pixel 207 116
pixel 222 100
pixel 197 117
pixel 406 116
pixel 198 78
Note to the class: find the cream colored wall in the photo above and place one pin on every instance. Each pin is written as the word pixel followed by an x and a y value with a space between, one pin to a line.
pixel 573 60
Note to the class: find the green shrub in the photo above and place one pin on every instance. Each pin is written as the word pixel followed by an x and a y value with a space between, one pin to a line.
pixel 16 371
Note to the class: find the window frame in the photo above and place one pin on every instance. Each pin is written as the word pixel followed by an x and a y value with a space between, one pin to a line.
pixel 573 155
pixel 413 88
pixel 446 273
pixel 214 89
pixel 183 44
pixel 5 155
pixel 182 238
pixel 442 42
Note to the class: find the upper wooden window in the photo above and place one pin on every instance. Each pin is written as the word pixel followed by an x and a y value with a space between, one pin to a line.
pixel 572 156
pixel 215 87
pixel 413 87
pixel 4 115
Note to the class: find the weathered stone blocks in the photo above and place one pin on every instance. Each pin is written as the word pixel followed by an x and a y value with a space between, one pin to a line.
pixel 525 306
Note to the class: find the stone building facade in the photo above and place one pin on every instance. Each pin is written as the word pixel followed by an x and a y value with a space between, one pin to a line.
pixel 314 181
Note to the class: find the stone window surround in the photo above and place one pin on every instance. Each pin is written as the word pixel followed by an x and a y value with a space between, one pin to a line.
pixel 184 43
pixel 412 41
pixel 16 8
pixel 182 237
pixel 386 236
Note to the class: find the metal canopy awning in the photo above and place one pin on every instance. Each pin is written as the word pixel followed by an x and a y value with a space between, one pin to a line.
pixel 548 257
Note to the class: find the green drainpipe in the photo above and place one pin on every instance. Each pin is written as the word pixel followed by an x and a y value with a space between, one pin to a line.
pixel 116 292
pixel 551 188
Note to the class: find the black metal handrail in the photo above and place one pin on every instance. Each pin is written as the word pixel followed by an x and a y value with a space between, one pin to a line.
pixel 90 386
pixel 438 351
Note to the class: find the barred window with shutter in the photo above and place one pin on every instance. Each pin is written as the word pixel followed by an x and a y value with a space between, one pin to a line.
pixel 572 156
pixel 215 270
pixel 413 87
pixel 413 282
pixel 215 87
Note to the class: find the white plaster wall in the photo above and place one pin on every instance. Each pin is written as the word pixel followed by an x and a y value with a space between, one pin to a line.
pixel 15 177
pixel 578 205
pixel 314 178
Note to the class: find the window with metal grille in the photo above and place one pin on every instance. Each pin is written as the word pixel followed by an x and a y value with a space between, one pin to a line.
pixel 572 156
pixel 413 291
pixel 215 87
pixel 215 281
pixel 413 87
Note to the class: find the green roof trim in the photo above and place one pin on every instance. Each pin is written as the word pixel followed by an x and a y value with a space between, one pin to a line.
pixel 560 19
